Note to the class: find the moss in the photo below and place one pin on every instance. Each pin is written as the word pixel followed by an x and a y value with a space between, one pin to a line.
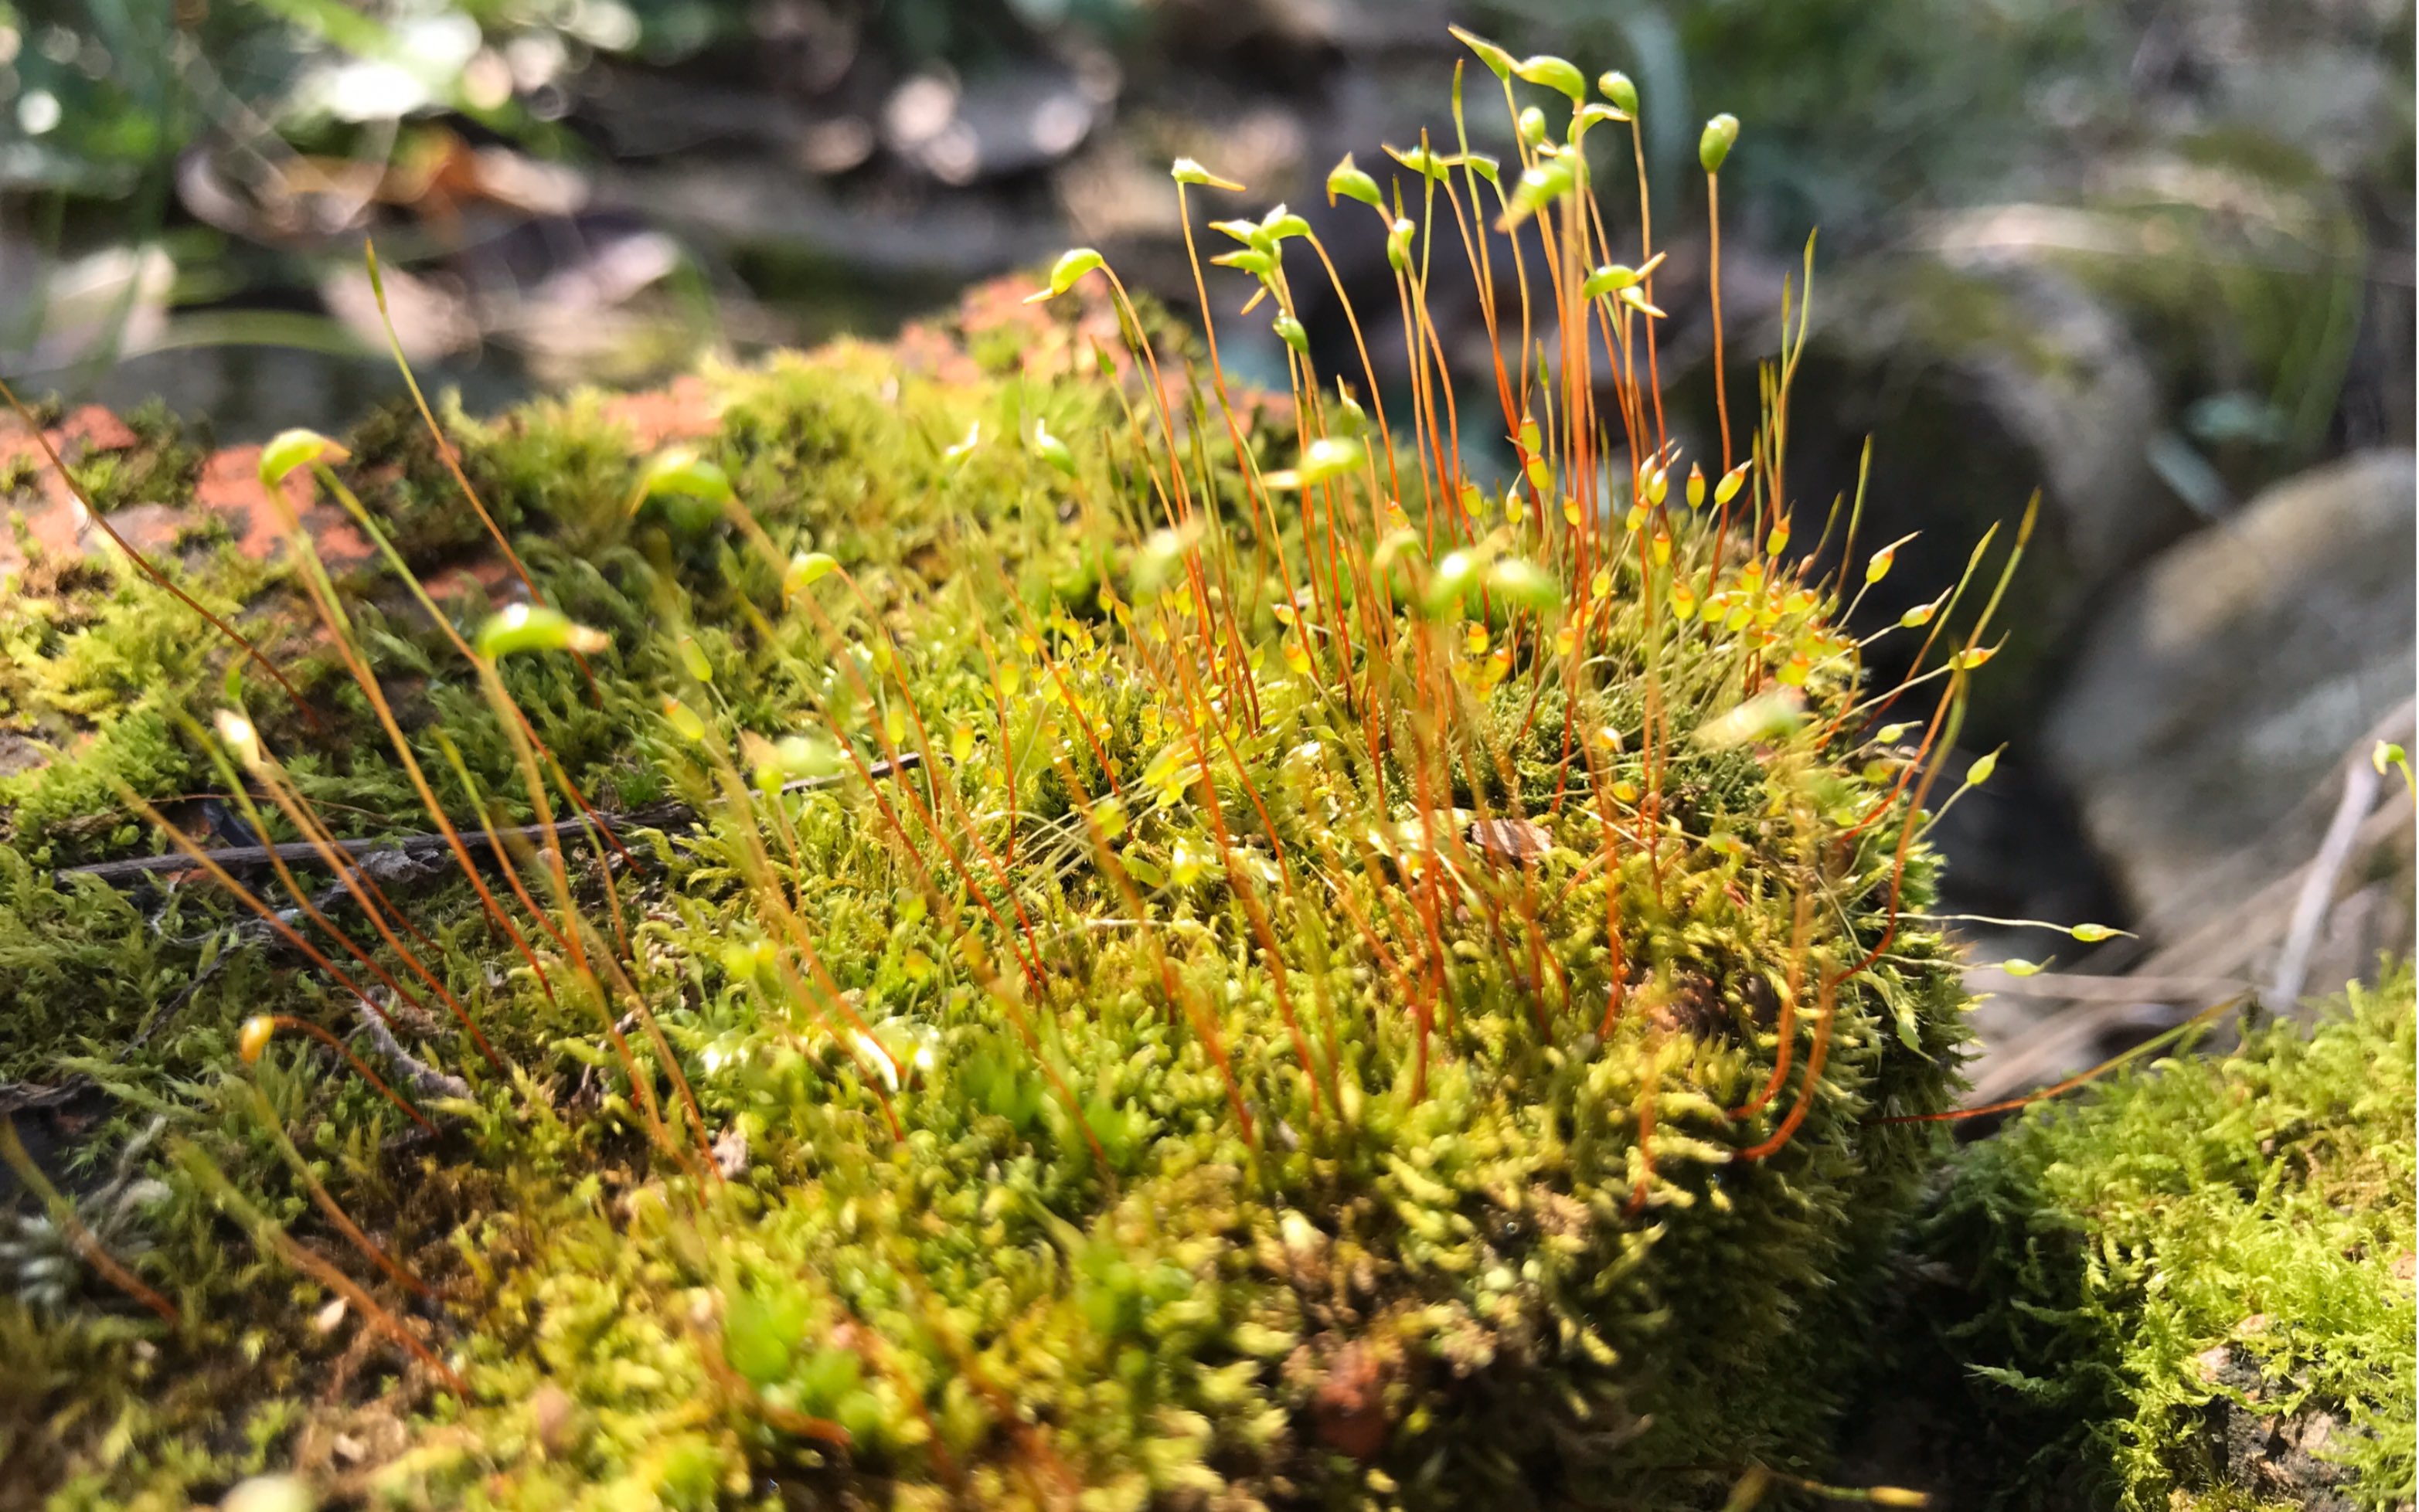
pixel 20 474
pixel 2193 1289
pixel 1443 1288
pixel 563 461
pixel 1322 1023
pixel 397 473
pixel 159 468
pixel 95 669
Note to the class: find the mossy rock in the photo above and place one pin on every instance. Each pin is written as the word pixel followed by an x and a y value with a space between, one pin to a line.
pixel 2192 1289
pixel 1337 1012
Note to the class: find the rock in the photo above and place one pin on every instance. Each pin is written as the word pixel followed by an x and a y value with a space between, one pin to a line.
pixel 2059 370
pixel 2287 630
pixel 683 410
pixel 19 755
pixel 2279 1455
pixel 1980 370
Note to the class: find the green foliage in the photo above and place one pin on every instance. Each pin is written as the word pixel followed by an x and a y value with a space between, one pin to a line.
pixel 2198 1248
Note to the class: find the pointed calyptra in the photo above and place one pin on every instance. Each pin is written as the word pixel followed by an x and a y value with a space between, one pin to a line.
pixel 1558 75
pixel 1498 61
pixel 1346 180
pixel 289 450
pixel 534 627
pixel 1186 171
pixel 1071 265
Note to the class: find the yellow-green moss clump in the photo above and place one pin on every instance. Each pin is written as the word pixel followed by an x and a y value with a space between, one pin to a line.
pixel 1209 958
pixel 2192 1288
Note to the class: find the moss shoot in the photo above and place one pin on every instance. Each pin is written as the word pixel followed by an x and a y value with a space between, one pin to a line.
pixel 1148 945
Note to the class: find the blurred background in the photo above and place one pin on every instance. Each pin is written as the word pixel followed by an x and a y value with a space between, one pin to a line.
pixel 2152 258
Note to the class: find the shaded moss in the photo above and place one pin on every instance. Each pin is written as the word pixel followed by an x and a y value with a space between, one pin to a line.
pixel 2193 1288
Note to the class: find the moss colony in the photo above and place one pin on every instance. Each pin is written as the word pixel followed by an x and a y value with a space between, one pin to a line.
pixel 1155 947
pixel 2193 1290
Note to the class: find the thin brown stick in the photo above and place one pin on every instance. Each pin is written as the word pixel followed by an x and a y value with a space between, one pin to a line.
pixel 2199 1020
pixel 303 1026
pixel 665 817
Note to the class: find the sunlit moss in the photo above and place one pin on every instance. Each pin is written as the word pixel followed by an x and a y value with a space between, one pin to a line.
pixel 1257 1002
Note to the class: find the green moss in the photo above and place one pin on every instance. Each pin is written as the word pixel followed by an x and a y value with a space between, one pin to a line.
pixel 94 668
pixel 20 473
pixel 1421 1271
pixel 397 473
pixel 1318 1058
pixel 560 460
pixel 2175 1279
pixel 159 468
